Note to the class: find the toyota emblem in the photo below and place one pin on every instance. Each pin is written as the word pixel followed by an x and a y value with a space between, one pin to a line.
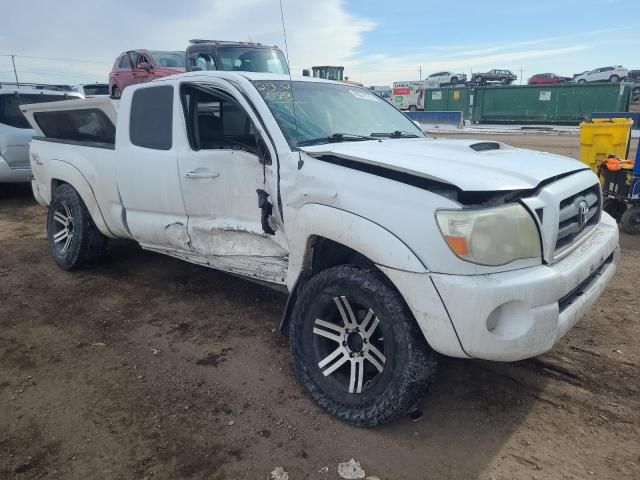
pixel 583 213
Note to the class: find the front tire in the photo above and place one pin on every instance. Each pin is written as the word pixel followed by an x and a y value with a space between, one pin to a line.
pixel 357 350
pixel 116 93
pixel 614 79
pixel 73 238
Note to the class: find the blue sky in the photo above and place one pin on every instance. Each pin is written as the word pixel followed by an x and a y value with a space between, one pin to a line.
pixel 377 41
pixel 563 36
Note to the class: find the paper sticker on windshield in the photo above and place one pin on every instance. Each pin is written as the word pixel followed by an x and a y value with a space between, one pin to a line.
pixel 364 96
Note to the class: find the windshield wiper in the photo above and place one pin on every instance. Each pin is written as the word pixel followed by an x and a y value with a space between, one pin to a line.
pixel 337 138
pixel 396 134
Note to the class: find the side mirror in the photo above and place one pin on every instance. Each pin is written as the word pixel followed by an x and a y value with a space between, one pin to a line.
pixel 264 157
pixel 144 66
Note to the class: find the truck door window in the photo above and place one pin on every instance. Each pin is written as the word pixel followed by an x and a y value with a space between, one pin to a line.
pixel 216 121
pixel 151 119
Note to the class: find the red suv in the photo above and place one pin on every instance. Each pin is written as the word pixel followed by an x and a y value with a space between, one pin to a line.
pixel 139 66
pixel 547 79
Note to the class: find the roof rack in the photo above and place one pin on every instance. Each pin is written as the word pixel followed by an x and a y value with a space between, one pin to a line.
pixel 38 86
pixel 223 42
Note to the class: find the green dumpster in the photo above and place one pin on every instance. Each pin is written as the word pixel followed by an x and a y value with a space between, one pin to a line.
pixel 548 103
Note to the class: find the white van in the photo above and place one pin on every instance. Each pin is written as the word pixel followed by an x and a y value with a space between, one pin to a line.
pixel 15 132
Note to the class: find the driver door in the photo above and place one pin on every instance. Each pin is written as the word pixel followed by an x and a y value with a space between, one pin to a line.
pixel 222 176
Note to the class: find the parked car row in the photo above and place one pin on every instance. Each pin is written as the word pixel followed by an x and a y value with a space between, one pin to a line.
pixel 140 66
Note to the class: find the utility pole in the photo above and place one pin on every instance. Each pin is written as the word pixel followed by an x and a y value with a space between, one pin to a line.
pixel 420 73
pixel 15 72
pixel 521 75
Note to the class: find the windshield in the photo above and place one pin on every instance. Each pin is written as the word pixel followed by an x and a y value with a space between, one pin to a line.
pixel 323 110
pixel 251 59
pixel 169 59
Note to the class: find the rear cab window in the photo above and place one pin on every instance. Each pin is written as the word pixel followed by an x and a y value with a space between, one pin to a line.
pixel 89 125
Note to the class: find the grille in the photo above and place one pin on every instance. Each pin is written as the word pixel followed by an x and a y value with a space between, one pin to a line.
pixel 579 213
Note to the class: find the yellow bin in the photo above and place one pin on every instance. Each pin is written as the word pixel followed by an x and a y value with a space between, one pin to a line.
pixel 604 137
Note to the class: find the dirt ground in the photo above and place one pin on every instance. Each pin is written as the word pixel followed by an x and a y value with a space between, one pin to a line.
pixel 152 368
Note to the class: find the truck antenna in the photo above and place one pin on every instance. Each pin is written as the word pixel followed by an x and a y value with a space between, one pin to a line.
pixel 286 50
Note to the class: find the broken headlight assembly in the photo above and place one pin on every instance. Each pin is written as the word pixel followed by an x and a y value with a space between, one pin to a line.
pixel 490 236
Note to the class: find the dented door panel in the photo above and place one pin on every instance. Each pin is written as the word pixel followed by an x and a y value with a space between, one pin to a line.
pixel 225 222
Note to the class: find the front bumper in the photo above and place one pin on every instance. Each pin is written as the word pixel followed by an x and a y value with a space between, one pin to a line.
pixel 522 313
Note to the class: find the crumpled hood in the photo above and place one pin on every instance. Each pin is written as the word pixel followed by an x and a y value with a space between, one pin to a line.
pixel 455 162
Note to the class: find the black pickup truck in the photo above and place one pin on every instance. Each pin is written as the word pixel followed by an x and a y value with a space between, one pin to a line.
pixel 235 56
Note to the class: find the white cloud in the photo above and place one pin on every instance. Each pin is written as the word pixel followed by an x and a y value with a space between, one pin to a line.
pixel 319 32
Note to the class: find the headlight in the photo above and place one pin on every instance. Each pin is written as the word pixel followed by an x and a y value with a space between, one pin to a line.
pixel 490 236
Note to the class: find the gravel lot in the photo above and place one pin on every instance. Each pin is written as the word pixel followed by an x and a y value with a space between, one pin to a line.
pixel 148 367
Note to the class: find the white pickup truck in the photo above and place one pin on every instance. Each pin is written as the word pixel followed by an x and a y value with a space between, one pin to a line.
pixel 392 246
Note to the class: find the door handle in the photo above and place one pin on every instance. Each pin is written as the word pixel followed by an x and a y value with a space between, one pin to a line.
pixel 201 174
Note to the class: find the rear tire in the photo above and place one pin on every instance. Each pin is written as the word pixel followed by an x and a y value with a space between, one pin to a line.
pixel 614 79
pixel 454 80
pixel 116 93
pixel 631 221
pixel 73 238
pixel 357 350
pixel 582 81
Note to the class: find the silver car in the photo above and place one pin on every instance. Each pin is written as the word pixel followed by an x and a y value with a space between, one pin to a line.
pixel 15 132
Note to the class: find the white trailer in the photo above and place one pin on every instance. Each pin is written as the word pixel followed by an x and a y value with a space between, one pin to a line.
pixel 408 95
